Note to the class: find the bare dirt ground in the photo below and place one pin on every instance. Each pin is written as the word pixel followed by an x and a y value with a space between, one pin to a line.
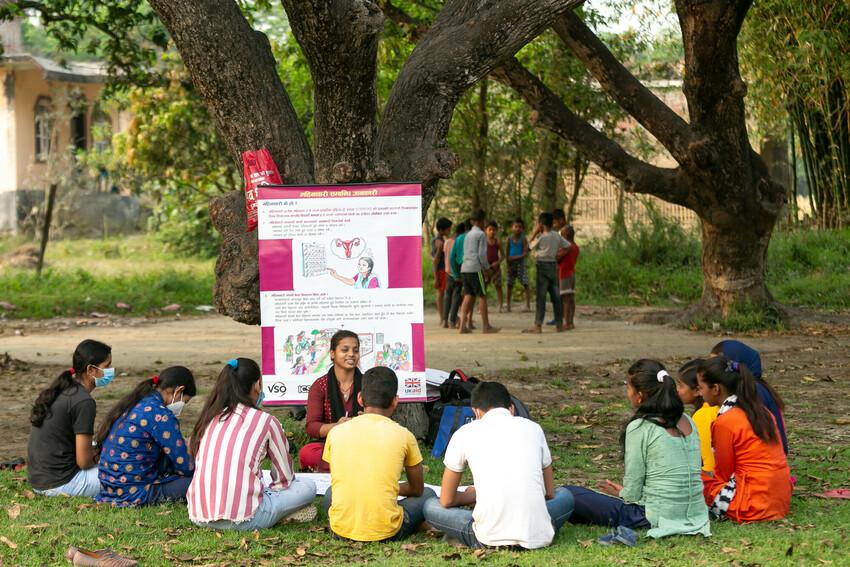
pixel 581 369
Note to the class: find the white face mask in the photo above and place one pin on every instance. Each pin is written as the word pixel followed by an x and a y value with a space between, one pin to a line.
pixel 176 407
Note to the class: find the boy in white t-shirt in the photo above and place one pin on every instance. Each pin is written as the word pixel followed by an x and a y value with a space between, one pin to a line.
pixel 516 502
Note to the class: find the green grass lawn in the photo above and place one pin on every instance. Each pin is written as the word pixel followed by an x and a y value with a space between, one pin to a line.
pixel 580 410
pixel 85 276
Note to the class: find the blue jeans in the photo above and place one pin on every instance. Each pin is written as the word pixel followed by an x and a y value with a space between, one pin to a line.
pixel 413 513
pixel 593 507
pixel 274 505
pixel 85 483
pixel 547 282
pixel 171 491
pixel 456 523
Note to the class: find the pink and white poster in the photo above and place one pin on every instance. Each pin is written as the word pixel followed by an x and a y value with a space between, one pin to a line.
pixel 340 257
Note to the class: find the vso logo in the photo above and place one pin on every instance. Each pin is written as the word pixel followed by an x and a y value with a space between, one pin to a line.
pixel 277 388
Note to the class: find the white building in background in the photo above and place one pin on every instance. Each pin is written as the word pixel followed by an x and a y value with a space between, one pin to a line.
pixel 47 110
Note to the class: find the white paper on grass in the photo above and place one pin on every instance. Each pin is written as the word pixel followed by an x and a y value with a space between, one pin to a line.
pixel 323 482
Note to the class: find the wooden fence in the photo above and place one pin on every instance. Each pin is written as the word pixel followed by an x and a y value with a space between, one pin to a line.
pixel 598 201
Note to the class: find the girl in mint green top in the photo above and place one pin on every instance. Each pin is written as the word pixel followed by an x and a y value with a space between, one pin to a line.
pixel 662 487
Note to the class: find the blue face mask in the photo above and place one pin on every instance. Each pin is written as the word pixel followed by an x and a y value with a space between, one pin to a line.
pixel 260 398
pixel 108 375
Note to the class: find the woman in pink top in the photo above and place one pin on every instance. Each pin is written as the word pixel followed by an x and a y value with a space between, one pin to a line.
pixel 230 440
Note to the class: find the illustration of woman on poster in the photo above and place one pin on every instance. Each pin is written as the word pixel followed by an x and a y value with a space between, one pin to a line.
pixel 363 279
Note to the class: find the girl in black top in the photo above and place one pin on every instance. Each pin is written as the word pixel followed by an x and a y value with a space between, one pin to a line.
pixel 60 457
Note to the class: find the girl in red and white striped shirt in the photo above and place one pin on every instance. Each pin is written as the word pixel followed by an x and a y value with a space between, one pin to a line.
pixel 229 442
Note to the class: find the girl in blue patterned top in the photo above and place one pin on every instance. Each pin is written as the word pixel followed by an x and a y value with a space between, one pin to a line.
pixel 144 459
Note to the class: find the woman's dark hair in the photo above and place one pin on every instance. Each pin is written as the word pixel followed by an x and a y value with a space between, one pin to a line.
pixel 172 377
pixel 232 388
pixel 688 373
pixel 460 228
pixel 738 380
pixel 745 354
pixel 343 334
pixel 661 403
pixel 87 353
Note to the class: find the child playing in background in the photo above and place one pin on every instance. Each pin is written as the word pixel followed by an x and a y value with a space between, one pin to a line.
pixel 547 246
pixel 438 264
pixel 751 480
pixel 688 388
pixel 494 257
pixel 661 487
pixel 516 251
pixel 454 285
pixel 567 277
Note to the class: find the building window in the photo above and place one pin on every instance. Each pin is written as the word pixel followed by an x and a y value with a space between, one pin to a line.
pixel 43 128
pixel 79 139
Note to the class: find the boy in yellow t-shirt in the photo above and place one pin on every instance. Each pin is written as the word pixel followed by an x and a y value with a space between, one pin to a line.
pixel 704 416
pixel 366 456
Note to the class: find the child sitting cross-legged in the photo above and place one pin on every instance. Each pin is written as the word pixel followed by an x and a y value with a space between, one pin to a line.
pixel 751 480
pixel 514 496
pixel 367 455
pixel 661 489
pixel 705 414
pixel 144 460
pixel 230 441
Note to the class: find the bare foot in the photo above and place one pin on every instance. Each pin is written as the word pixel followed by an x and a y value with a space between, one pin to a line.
pixel 535 330
pixel 444 324
pixel 560 329
pixel 491 330
pixel 465 330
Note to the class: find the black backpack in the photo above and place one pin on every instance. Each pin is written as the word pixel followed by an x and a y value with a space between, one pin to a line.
pixel 455 393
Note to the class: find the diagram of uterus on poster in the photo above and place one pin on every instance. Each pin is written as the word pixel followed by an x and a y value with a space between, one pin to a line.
pixel 346 249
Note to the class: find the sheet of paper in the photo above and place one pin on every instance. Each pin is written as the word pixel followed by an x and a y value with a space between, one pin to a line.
pixel 323 482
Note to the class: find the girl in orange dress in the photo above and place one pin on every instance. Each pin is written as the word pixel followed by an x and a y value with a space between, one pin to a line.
pixel 751 480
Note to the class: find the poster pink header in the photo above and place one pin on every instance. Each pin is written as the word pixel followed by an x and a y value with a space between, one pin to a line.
pixel 336 191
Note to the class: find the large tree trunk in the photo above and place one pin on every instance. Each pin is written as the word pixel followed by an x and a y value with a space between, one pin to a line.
pixel 734 265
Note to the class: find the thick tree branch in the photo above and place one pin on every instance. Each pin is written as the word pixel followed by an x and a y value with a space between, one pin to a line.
pixel 710 40
pixel 340 42
pixel 658 118
pixel 466 41
pixel 552 114
pixel 235 74
pixel 413 27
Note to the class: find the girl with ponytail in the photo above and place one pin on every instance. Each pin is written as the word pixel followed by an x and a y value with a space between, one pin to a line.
pixel 751 480
pixel 232 438
pixel 661 487
pixel 144 459
pixel 60 457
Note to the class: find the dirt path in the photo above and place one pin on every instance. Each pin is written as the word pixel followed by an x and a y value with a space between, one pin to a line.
pixel 205 342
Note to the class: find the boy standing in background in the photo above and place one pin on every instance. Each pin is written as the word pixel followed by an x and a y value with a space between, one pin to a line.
pixel 438 264
pixel 494 258
pixel 548 246
pixel 472 273
pixel 516 250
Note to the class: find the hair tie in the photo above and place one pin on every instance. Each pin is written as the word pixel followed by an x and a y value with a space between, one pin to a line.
pixel 155 380
pixel 732 366
pixel 233 363
pixel 72 371
pixel 661 374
